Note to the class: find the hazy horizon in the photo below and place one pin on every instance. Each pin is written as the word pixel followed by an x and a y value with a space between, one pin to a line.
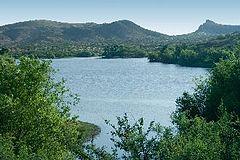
pixel 165 16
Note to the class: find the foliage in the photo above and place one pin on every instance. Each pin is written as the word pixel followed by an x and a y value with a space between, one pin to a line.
pixel 207 124
pixel 134 140
pixel 37 31
pixel 123 51
pixel 3 51
pixel 35 121
pixel 45 49
pixel 198 55
pixel 198 139
pixel 212 28
pixel 50 39
pixel 223 86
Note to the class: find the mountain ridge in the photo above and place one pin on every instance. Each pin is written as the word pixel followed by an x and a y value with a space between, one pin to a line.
pixel 121 31
pixel 213 28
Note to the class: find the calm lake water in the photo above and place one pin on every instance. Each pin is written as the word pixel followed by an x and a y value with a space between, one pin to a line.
pixel 112 87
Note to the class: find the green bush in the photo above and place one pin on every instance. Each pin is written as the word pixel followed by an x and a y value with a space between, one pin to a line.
pixel 35 122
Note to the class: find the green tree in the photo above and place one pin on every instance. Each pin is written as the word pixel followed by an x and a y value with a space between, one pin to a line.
pixel 223 85
pixel 35 122
pixel 3 51
pixel 207 124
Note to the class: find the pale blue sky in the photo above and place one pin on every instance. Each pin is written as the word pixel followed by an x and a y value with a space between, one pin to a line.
pixel 165 16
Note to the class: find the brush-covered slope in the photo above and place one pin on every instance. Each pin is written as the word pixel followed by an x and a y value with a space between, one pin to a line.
pixel 44 30
pixel 212 28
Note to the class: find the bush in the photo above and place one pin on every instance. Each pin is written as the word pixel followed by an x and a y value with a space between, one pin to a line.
pixel 34 118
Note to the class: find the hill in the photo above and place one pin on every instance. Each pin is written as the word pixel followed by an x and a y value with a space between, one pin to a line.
pixel 50 39
pixel 203 54
pixel 212 28
pixel 45 30
pixel 118 31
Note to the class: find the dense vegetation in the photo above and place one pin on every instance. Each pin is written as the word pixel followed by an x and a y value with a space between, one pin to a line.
pixel 57 50
pixel 50 39
pixel 212 28
pixel 51 31
pixel 200 54
pixel 124 51
pixel 207 124
pixel 35 122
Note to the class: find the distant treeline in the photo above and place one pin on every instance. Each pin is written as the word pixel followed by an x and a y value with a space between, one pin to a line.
pixel 195 54
pixel 124 51
pixel 200 54
pixel 63 49
pixel 56 50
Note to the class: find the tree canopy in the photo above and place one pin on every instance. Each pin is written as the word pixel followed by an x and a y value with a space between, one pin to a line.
pixel 204 54
pixel 35 122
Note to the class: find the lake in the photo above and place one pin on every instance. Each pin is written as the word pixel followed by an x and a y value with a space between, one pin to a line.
pixel 112 87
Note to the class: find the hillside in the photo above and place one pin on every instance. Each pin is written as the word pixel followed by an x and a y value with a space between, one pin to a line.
pixel 118 31
pixel 204 54
pixel 51 39
pixel 44 30
pixel 212 28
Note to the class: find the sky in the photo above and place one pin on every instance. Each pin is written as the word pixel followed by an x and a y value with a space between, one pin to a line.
pixel 171 17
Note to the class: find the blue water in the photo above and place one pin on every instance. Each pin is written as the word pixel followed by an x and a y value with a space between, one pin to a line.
pixel 112 87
